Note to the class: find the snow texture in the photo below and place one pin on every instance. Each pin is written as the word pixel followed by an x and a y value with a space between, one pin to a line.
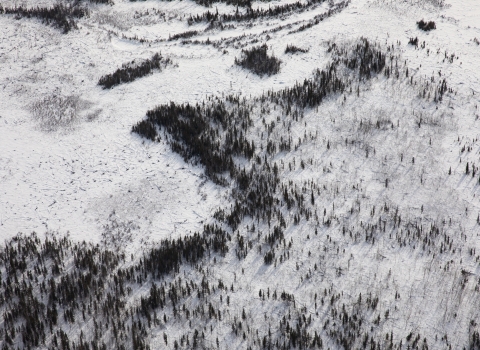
pixel 389 148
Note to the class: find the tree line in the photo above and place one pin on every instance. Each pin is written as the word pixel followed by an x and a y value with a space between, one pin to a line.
pixel 254 14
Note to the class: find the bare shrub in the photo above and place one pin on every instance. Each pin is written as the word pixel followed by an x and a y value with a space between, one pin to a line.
pixel 55 111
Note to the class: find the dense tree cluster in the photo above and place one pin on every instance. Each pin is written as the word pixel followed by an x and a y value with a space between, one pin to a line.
pixel 258 61
pixel 413 41
pixel 59 16
pixel 184 35
pixel 53 283
pixel 132 71
pixel 426 26
pixel 367 58
pixel 243 3
pixel 194 137
pixel 294 49
pixel 42 289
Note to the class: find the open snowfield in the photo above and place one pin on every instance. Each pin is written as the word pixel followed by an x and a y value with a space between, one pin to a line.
pixel 377 195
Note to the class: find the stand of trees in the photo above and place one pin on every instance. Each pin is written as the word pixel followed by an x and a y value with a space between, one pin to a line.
pixel 108 2
pixel 209 3
pixel 131 71
pixel 253 14
pixel 426 26
pixel 294 49
pixel 51 288
pixel 59 16
pixel 257 61
pixel 213 134
pixel 184 35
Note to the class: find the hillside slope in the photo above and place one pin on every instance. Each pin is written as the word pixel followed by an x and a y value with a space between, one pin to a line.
pixel 274 175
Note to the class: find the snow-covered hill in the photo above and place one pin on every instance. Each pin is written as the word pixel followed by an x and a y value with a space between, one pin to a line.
pixel 330 203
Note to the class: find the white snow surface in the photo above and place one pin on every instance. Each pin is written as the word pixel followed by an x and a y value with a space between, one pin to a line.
pixel 90 176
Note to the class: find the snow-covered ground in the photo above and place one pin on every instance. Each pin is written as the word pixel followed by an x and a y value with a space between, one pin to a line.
pixel 87 175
